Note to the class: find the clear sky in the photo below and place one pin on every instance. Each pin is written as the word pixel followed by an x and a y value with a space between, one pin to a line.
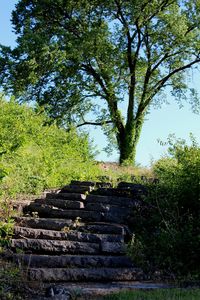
pixel 159 123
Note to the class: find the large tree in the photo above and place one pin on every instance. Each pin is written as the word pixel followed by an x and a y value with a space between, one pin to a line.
pixel 74 57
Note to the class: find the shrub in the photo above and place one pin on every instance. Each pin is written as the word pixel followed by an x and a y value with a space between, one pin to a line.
pixel 35 155
pixel 170 236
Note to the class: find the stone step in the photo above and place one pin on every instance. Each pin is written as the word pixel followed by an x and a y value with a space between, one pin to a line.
pixel 107 208
pixel 113 200
pixel 67 234
pixel 76 189
pixel 103 227
pixel 66 196
pixel 54 246
pixel 77 261
pixel 61 203
pixel 44 223
pixel 82 183
pixel 103 184
pixel 63 224
pixel 91 183
pixel 119 192
pixel 97 290
pixel 133 187
pixel 71 247
pixel 83 275
pixel 53 212
pixel 110 213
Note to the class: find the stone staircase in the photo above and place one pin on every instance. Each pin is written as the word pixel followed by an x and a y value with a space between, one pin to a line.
pixel 78 234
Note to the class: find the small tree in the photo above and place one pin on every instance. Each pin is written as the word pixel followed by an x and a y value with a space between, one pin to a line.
pixel 74 57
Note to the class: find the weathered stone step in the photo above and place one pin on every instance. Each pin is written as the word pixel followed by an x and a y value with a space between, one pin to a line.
pixel 96 290
pixel 61 203
pixel 67 234
pixel 82 183
pixel 102 227
pixel 55 246
pixel 119 192
pixel 44 223
pixel 66 196
pixel 110 213
pixel 76 189
pixel 53 212
pixel 63 224
pixel 107 208
pixel 72 247
pixel 91 183
pixel 82 274
pixel 78 261
pixel 113 200
pixel 138 188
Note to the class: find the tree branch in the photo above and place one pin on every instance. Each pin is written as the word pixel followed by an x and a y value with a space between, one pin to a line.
pixel 132 69
pixel 159 85
pixel 94 123
pixel 112 101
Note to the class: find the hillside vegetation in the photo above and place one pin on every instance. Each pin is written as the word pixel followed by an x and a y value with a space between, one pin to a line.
pixel 35 155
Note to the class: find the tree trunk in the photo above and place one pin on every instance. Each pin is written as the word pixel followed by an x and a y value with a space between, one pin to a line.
pixel 129 141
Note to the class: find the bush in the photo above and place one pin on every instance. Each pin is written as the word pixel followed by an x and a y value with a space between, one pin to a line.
pixel 170 236
pixel 35 155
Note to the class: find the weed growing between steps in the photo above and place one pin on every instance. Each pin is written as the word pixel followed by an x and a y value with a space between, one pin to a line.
pixel 170 294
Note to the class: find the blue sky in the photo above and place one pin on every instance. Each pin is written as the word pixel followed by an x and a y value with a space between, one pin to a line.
pixel 159 123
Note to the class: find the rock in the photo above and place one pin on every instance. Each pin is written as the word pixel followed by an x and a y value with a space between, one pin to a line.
pixel 58 292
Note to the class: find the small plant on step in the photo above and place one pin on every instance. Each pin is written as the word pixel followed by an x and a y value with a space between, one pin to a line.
pixel 77 222
pixel 76 293
pixel 66 229
pixel 35 214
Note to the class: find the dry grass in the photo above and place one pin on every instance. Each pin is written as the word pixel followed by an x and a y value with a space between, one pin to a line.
pixel 115 173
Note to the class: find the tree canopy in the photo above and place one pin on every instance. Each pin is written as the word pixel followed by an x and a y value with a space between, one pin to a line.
pixel 74 57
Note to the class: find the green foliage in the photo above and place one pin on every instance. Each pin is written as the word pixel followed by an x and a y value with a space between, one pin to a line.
pixel 170 235
pixel 35 155
pixel 81 57
pixel 6 222
pixel 169 294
